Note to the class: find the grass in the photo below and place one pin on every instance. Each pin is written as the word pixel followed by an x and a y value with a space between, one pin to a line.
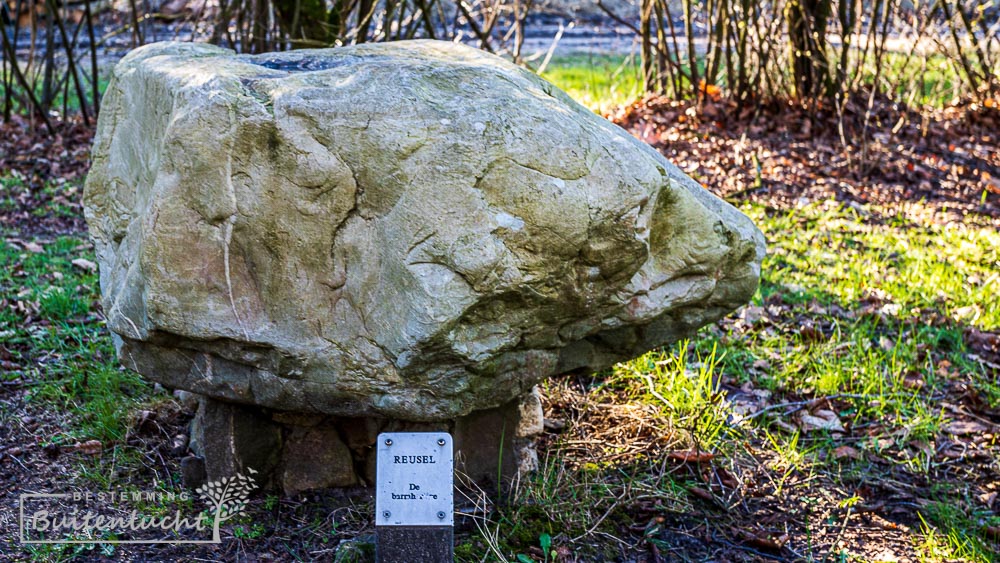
pixel 951 268
pixel 686 392
pixel 933 81
pixel 945 532
pixel 65 352
pixel 599 82
pixel 869 286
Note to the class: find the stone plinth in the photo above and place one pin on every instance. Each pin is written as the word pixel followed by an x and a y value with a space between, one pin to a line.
pixel 298 452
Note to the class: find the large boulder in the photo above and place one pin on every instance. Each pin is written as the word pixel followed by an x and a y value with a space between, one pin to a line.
pixel 413 230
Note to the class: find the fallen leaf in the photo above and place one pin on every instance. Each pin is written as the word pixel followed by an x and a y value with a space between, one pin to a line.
pixel 85 264
pixel 788 428
pixel 922 446
pixel 968 314
pixel 913 381
pixel 33 247
pixel 988 499
pixel 820 420
pixel 751 314
pixel 52 451
pixel 846 452
pixel 887 556
pixel 811 333
pixel 691 456
pixel 993 185
pixel 554 425
pixel 701 493
pixel 764 540
pixel 964 427
pixel 891 309
pixel 727 479
pixel 90 447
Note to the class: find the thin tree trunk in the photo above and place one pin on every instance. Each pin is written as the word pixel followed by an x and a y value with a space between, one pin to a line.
pixel 646 49
pixel 692 58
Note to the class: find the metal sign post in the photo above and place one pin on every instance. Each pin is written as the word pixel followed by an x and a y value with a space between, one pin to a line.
pixel 414 498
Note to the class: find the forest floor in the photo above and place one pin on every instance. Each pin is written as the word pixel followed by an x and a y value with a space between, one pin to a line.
pixel 850 412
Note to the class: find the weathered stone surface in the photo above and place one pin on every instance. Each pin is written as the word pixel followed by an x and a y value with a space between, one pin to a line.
pixel 193 473
pixel 316 458
pixel 233 439
pixel 531 414
pixel 187 400
pixel 412 230
pixel 487 447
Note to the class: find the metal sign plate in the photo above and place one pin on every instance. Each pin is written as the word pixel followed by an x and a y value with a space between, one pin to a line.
pixel 414 479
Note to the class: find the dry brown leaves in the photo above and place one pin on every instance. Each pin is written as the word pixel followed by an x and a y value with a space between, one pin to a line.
pixel 891 160
pixel 36 160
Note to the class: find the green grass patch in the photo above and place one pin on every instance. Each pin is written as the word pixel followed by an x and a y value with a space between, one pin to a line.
pixel 65 100
pixel 685 390
pixel 828 253
pixel 599 82
pixel 946 535
pixel 603 81
pixel 61 346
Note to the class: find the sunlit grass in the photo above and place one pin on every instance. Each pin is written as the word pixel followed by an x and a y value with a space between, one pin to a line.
pixel 603 81
pixel 952 268
pixel 599 82
pixel 685 389
pixel 949 543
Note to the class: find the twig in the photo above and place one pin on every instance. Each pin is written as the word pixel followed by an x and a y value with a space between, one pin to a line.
pixel 840 534
pixel 607 512
pixel 800 404
pixel 22 81
pixel 652 390
pixel 552 49
pixel 19 462
pixel 484 39
pixel 611 14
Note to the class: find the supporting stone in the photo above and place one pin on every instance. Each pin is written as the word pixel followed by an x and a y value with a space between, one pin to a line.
pixel 233 438
pixel 297 452
pixel 316 458
pixel 499 443
pixel 193 473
